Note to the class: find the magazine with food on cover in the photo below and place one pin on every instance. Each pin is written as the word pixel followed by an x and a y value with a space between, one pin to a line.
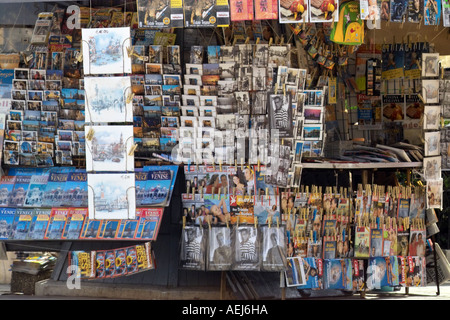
pixel 109 149
pixel 105 50
pixel 111 196
pixel 107 99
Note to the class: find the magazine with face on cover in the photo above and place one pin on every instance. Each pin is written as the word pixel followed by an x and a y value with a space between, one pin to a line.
pixel 193 246
pixel 219 248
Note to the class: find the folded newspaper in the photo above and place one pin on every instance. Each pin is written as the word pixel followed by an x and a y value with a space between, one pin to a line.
pixel 443 267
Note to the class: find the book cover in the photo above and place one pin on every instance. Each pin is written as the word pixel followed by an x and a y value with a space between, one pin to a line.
pixel 39 223
pixel 100 264
pixel 36 191
pixel 110 263
pixel 111 196
pixel 109 148
pixel 131 260
pixel 127 229
pixel 76 190
pixel 158 186
pixel 90 228
pixel 20 190
pixel 6 222
pixel 105 50
pixel 153 14
pixel 54 191
pixel 199 14
pixel 22 223
pixel 121 264
pixel 56 224
pixel 75 222
pixel 108 229
pixel 295 273
pixel 143 256
pixel 6 188
pixel 149 223
pixel 403 208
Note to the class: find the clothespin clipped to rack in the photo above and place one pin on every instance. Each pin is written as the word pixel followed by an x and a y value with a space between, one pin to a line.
pixel 220 165
pixel 193 192
pixel 242 164
pixel 226 222
pixel 79 56
pixel 234 191
pixel 237 221
pixel 184 222
pixel 267 193
pixel 90 134
pixel 212 191
pixel 132 149
pixel 270 222
pixel 130 51
pixel 220 192
pixel 278 222
pixel 247 40
pixel 257 40
pixel 235 164
pixel 276 88
pixel 130 97
pixel 234 41
pixel 270 41
pixel 282 40
pixel 259 162
pixel 256 222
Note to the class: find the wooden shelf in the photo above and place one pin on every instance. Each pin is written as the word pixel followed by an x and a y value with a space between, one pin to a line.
pixel 361 166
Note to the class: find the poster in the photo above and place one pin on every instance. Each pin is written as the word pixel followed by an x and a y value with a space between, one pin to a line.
pixel 266 9
pixel 241 10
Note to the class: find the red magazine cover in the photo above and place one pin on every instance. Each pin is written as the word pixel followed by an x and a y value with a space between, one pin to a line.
pixel 266 9
pixel 56 224
pixel 149 223
pixel 241 10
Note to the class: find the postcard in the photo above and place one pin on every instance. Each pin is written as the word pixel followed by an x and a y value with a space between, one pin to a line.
pixel 111 196
pixel 105 50
pixel 108 150
pixel 107 99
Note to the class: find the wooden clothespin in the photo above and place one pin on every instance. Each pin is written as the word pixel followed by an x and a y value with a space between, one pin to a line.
pixel 132 149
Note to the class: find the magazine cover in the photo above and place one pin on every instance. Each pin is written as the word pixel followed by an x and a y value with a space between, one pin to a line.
pixel 295 272
pixel 417 243
pixel 22 223
pixel 36 190
pixel 109 148
pixel 393 107
pixel 6 222
pixel 415 11
pixel 358 275
pixel 193 245
pixel 399 10
pixel 219 249
pixel 382 272
pixel 415 271
pixel 312 270
pixel 106 99
pixel 111 196
pixel 105 50
pixel 273 248
pixel 149 223
pixel 56 224
pixel 432 12
pixel 90 229
pixel 338 274
pixel 143 256
pixel 376 242
pixel 267 208
pixel 241 208
pixel 446 13
pixel 246 248
pixel 82 261
pixel 39 222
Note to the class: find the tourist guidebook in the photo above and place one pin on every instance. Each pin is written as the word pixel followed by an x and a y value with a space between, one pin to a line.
pixel 109 148
pixel 105 50
pixel 111 196
pixel 107 99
